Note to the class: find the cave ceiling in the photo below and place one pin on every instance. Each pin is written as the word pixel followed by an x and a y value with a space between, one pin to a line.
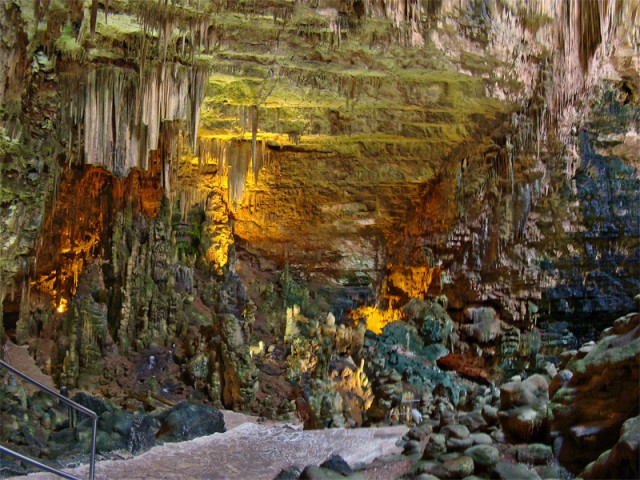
pixel 361 142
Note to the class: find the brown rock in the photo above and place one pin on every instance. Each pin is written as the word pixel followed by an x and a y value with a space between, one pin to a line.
pixel 469 367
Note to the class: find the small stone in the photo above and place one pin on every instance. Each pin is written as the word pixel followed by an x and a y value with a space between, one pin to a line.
pixel 456 431
pixel 473 421
pixel 318 473
pixel 426 476
pixel 337 464
pixel 430 467
pixel 459 467
pixel 490 414
pixel 498 436
pixel 412 447
pixel 483 455
pixel 535 454
pixel 291 473
pixel 549 472
pixel 458 444
pixel 435 448
pixel 481 439
pixel 510 471
pixel 448 456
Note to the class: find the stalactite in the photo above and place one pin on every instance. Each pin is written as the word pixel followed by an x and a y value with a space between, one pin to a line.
pixel 234 160
pixel 120 113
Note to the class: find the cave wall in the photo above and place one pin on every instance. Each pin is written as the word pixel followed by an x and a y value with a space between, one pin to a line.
pixel 421 148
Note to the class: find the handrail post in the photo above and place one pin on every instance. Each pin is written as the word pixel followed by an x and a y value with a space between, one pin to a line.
pixel 71 403
pixel 92 462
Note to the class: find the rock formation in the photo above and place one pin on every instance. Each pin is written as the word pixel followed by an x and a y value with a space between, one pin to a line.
pixel 586 417
pixel 352 211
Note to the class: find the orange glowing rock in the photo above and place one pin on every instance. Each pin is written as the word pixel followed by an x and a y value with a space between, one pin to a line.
pixel 376 319
pixel 62 306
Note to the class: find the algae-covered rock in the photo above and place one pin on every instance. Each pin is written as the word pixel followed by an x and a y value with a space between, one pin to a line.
pixel 239 373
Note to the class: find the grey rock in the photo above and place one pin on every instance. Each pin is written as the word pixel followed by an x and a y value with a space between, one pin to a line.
pixel 435 447
pixel 318 473
pixel 187 420
pixel 426 476
pixel 456 431
pixel 458 444
pixel 483 455
pixel 550 472
pixel 431 468
pixel 474 421
pixel 535 454
pixel 511 471
pixel 459 467
pixel 337 464
pixel 490 414
pixel 481 439
pixel 291 473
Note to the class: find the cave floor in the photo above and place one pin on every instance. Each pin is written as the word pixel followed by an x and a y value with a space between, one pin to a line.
pixel 251 450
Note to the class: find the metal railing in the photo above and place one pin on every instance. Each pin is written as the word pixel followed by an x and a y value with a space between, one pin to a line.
pixel 72 404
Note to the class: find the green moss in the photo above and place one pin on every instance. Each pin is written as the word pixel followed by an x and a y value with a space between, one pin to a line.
pixel 118 26
pixel 68 46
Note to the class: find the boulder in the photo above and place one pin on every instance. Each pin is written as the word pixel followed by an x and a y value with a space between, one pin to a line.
pixel 187 420
pixel 623 460
pixel 523 408
pixel 473 421
pixel 485 326
pixel 591 405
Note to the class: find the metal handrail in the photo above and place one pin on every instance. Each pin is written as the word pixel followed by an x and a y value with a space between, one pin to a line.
pixel 71 403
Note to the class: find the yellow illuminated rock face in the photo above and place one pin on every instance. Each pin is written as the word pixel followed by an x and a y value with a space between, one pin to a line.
pixel 79 226
pixel 376 318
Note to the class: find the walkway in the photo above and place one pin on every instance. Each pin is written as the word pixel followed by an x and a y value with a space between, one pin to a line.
pixel 249 451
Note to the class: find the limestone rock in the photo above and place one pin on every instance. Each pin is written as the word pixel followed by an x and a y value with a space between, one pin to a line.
pixel 459 467
pixel 187 420
pixel 523 408
pixel 238 370
pixel 510 471
pixel 484 456
pixel 622 460
pixel 533 454
pixel 485 325
pixel 337 464
pixel 481 439
pixel 435 447
pixel 586 415
pixel 456 431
